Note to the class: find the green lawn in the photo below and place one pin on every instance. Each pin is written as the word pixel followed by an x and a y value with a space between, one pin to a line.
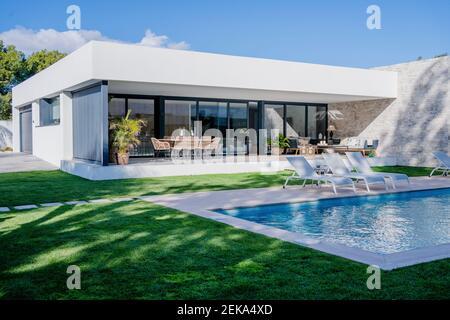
pixel 139 250
pixel 50 186
pixel 142 251
pixel 56 186
pixel 410 171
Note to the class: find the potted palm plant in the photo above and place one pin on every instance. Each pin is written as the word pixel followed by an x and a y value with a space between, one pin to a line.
pixel 124 133
pixel 278 144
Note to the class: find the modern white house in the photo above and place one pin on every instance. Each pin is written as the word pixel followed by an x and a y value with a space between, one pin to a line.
pixel 62 114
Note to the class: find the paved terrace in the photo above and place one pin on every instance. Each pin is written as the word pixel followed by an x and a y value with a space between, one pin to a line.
pixel 20 162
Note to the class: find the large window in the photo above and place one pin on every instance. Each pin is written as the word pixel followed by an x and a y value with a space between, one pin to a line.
pixel 179 114
pixel 49 113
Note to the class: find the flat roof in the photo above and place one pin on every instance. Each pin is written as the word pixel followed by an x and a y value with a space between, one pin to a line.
pixel 145 70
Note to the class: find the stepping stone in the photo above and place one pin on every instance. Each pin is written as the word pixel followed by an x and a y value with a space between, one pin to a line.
pixel 122 199
pixel 74 203
pixel 144 198
pixel 52 204
pixel 26 207
pixel 100 201
pixel 4 209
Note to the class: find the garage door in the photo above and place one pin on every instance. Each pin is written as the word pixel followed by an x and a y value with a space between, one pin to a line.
pixel 26 132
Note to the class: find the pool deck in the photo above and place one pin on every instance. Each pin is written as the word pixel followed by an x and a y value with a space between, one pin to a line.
pixel 203 203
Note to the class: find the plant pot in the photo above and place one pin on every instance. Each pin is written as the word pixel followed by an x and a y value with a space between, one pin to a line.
pixel 122 158
pixel 276 151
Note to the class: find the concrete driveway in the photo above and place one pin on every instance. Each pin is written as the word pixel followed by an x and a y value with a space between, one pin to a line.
pixel 19 162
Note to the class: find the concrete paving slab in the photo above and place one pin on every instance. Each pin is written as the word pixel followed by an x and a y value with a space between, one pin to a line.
pixel 26 207
pixel 20 162
pixel 53 204
pixel 122 199
pixel 99 201
pixel 74 203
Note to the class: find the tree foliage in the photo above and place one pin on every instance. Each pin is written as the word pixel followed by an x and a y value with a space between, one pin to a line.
pixel 41 60
pixel 11 67
pixel 15 67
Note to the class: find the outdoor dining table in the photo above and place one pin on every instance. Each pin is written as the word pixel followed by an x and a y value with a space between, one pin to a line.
pixel 173 141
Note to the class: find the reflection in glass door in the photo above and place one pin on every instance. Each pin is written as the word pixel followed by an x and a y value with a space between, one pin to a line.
pixel 180 114
pixel 274 119
pixel 213 115
pixel 317 122
pixel 295 121
pixel 238 115
pixel 143 109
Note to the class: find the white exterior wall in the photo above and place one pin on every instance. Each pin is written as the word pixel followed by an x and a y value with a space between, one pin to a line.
pixel 178 72
pixel 71 71
pixel 50 143
pixel 47 143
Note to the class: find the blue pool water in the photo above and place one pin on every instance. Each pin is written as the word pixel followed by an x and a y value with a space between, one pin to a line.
pixel 381 224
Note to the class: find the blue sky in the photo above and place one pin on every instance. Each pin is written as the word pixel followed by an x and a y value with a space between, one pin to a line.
pixel 321 31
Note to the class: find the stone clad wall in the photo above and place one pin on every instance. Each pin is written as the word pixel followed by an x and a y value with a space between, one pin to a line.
pixel 411 126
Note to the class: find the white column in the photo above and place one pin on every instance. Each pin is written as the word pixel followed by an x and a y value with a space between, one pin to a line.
pixel 67 124
pixel 16 129
pixel 35 123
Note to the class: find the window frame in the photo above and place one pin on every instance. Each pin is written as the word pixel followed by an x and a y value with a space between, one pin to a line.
pixel 51 107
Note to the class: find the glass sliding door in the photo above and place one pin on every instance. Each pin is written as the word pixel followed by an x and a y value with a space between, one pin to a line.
pixel 143 109
pixel 117 108
pixel 317 122
pixel 238 114
pixel 274 118
pixel 180 114
pixel 253 115
pixel 295 121
pixel 213 115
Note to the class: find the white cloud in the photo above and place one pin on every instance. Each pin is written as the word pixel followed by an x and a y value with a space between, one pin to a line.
pixel 151 39
pixel 29 41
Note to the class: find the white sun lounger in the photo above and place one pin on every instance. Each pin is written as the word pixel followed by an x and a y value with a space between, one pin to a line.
pixel 304 171
pixel 444 163
pixel 338 167
pixel 361 165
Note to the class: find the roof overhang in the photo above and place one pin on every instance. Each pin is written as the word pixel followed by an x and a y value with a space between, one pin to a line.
pixel 155 71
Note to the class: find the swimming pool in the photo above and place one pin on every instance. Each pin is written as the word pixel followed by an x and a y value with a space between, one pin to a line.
pixel 381 224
